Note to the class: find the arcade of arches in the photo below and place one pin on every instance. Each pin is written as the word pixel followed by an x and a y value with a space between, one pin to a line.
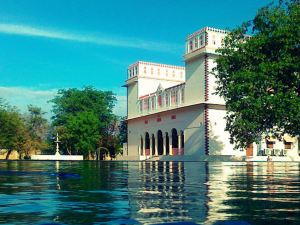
pixel 162 143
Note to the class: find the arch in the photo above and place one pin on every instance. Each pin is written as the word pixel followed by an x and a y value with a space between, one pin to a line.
pixel 160 143
pixel 167 144
pixel 147 144
pixel 174 142
pixel 153 144
pixel 142 146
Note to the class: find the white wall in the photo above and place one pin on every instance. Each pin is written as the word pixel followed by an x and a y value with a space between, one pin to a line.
pixel 212 80
pixel 219 138
pixel 195 85
pixel 189 119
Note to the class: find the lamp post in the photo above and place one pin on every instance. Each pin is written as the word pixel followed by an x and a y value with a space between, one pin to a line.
pixel 57 144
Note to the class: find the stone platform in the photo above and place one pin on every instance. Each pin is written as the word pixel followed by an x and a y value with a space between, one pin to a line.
pixel 57 157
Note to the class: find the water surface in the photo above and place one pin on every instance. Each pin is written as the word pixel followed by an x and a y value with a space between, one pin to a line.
pixel 149 192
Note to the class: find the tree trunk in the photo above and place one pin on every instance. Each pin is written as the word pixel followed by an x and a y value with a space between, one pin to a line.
pixel 8 154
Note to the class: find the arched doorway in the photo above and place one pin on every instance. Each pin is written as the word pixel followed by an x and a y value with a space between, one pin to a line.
pixel 160 143
pixel 181 150
pixel 174 142
pixel 142 146
pixel 147 144
pixel 167 144
pixel 153 144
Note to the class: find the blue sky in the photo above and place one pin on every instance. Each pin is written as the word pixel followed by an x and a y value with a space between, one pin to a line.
pixel 52 44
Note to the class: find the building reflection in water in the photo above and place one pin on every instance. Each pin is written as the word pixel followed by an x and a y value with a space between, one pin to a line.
pixel 168 191
pixel 210 192
pixel 149 192
pixel 258 193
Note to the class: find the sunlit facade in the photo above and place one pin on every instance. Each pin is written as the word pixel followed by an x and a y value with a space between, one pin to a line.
pixel 174 113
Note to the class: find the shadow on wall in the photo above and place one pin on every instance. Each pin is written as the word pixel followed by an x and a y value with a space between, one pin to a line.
pixel 194 141
pixel 215 146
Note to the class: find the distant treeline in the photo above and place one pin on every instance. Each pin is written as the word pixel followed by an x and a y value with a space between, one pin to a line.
pixel 83 118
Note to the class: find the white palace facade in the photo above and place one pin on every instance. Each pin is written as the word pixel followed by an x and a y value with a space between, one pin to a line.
pixel 174 114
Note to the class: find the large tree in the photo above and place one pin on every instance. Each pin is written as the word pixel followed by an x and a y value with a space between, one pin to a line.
pixel 37 131
pixel 13 133
pixel 81 118
pixel 259 77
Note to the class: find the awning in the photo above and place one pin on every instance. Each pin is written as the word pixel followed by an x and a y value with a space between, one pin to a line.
pixel 271 139
pixel 288 138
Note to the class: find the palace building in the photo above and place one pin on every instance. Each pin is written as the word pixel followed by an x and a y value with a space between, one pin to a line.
pixel 174 114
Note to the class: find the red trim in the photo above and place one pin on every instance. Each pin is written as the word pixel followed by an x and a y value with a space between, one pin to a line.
pixel 206 130
pixel 206 78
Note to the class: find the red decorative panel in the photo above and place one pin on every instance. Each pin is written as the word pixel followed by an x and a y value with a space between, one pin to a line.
pixel 173 117
pixel 174 151
pixel 147 151
pixel 158 119
pixel 146 122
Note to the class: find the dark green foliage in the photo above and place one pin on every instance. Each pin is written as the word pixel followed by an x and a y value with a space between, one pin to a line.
pixel 12 128
pixel 26 134
pixel 123 130
pixel 81 118
pixel 259 76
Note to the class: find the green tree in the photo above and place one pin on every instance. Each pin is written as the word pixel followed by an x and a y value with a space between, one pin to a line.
pixel 123 130
pixel 37 127
pixel 81 118
pixel 258 76
pixel 12 128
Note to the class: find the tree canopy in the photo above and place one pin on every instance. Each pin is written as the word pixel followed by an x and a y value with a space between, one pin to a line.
pixel 24 133
pixel 258 76
pixel 82 117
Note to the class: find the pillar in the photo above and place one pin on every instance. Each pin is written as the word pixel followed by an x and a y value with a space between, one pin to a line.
pixel 179 144
pixel 156 144
pixel 164 145
pixel 170 142
pixel 150 145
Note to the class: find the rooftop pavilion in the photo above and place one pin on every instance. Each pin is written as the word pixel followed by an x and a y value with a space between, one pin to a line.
pixel 207 39
pixel 156 71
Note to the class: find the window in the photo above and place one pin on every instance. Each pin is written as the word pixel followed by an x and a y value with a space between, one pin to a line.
pixel 191 45
pixel 182 95
pixel 196 41
pixel 159 101
pixel 287 145
pixel 176 97
pixel 146 104
pixel 270 144
pixel 153 105
pixel 173 97
pixel 167 99
pixel 201 40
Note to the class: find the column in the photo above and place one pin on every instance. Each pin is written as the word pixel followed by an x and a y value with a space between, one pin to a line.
pixel 170 144
pixel 150 145
pixel 156 144
pixel 179 144
pixel 164 145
